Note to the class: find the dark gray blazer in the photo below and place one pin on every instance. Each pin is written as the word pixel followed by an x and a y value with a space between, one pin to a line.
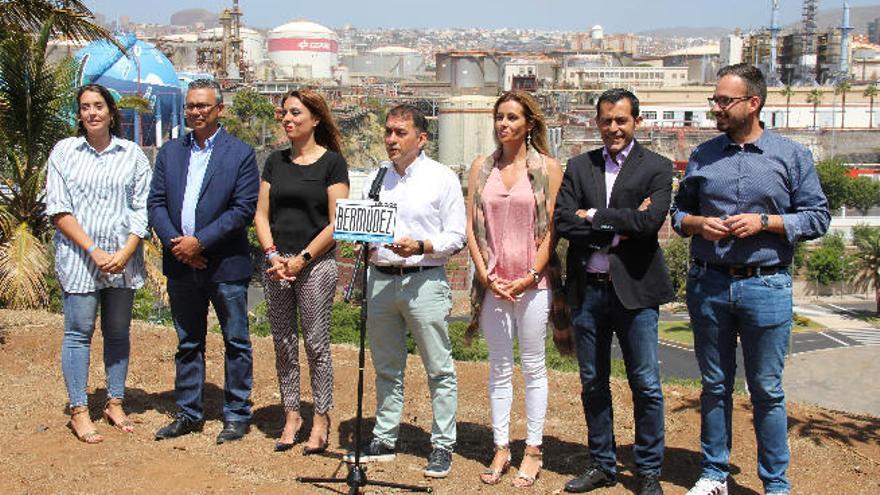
pixel 636 265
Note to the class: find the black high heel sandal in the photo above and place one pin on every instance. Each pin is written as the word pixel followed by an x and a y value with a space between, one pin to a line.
pixel 324 444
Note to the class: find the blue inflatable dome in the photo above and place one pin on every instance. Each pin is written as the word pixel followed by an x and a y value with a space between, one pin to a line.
pixel 142 70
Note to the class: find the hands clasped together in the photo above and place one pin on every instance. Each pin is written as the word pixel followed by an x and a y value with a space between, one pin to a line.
pixel 741 226
pixel 111 263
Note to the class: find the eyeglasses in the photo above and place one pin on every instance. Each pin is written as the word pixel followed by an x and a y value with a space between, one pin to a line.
pixel 199 107
pixel 724 102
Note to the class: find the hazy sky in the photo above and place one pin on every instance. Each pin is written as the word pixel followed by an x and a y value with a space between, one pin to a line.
pixel 568 15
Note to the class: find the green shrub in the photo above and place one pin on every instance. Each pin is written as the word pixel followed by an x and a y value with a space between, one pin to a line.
pixel 829 262
pixel 677 253
pixel 148 307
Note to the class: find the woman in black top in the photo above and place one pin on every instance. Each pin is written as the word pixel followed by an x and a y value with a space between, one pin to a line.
pixel 294 221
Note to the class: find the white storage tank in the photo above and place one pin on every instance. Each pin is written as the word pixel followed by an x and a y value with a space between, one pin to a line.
pixel 303 49
pixel 252 42
pixel 466 130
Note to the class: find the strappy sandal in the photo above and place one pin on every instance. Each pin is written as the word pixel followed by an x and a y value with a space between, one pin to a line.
pixel 524 480
pixel 90 437
pixel 492 476
pixel 124 425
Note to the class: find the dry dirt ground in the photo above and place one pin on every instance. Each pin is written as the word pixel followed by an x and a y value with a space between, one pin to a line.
pixel 832 452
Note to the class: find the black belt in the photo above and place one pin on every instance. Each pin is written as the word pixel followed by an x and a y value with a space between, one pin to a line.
pixel 742 271
pixel 598 278
pixel 402 270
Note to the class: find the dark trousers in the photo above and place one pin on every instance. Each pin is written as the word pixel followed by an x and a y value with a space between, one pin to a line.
pixel 189 296
pixel 600 316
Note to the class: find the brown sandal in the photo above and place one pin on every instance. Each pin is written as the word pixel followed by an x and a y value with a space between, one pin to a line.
pixel 492 476
pixel 90 437
pixel 527 480
pixel 124 425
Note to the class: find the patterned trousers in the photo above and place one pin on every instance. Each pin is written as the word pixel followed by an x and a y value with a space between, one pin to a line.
pixel 310 297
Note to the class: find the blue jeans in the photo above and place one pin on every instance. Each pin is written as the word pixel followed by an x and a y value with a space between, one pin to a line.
pixel 189 296
pixel 758 310
pixel 80 313
pixel 600 316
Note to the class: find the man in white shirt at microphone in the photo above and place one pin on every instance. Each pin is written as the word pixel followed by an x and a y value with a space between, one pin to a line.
pixel 407 289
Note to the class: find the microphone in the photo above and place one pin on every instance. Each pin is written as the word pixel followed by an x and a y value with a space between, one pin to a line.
pixel 377 182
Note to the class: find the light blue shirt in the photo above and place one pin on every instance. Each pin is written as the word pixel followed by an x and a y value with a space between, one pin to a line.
pixel 773 175
pixel 195 174
pixel 106 192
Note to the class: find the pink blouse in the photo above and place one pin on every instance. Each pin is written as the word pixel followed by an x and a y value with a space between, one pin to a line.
pixel 510 228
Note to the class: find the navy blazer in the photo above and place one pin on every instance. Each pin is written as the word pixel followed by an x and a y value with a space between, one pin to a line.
pixel 636 265
pixel 226 206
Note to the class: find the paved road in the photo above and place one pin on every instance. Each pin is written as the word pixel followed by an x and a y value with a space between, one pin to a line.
pixel 678 361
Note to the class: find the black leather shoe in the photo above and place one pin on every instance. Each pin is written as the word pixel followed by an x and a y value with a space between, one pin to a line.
pixel 232 430
pixel 179 427
pixel 649 484
pixel 594 477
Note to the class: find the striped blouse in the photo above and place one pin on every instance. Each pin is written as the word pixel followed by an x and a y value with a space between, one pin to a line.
pixel 107 194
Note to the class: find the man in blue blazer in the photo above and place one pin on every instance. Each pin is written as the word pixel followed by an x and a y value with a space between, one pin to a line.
pixel 203 197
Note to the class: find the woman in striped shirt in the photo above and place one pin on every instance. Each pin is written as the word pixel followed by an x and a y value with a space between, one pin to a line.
pixel 96 194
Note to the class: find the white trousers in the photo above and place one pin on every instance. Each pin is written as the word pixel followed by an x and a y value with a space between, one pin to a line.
pixel 525 319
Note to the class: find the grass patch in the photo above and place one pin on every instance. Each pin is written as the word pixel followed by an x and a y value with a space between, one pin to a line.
pixel 681 332
pixel 676 331
pixel 867 317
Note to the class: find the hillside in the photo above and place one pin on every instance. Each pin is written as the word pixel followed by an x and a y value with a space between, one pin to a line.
pixel 832 452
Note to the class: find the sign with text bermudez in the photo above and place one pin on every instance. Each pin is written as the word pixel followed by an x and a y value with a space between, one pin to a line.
pixel 363 220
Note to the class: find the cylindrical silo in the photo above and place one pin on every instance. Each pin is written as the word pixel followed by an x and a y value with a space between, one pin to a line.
pixel 443 69
pixel 467 71
pixel 303 47
pixel 466 130
pixel 252 42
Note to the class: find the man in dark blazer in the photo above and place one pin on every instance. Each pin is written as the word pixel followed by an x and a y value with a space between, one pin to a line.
pixel 610 206
pixel 203 197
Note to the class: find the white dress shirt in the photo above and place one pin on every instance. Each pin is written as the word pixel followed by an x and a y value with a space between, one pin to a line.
pixel 430 206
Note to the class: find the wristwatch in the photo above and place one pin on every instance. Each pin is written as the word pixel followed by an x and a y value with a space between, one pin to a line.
pixel 765 221
pixel 306 255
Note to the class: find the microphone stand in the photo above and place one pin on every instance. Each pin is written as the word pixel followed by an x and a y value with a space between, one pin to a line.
pixel 357 477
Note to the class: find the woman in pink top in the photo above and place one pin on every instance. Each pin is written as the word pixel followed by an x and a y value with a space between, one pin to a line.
pixel 511 194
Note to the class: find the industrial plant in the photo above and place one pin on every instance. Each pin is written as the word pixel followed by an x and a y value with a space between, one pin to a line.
pixel 818 76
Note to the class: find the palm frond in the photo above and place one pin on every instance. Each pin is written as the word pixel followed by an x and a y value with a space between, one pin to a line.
pixel 23 267
pixel 153 263
pixel 135 102
pixel 868 258
pixel 72 19
pixel 36 97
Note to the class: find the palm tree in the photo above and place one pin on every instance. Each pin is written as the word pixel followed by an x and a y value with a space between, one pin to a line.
pixel 787 91
pixel 815 97
pixel 870 93
pixel 840 89
pixel 69 18
pixel 867 241
pixel 35 98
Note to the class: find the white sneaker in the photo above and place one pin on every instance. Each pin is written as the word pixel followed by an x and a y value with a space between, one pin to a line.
pixel 705 486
